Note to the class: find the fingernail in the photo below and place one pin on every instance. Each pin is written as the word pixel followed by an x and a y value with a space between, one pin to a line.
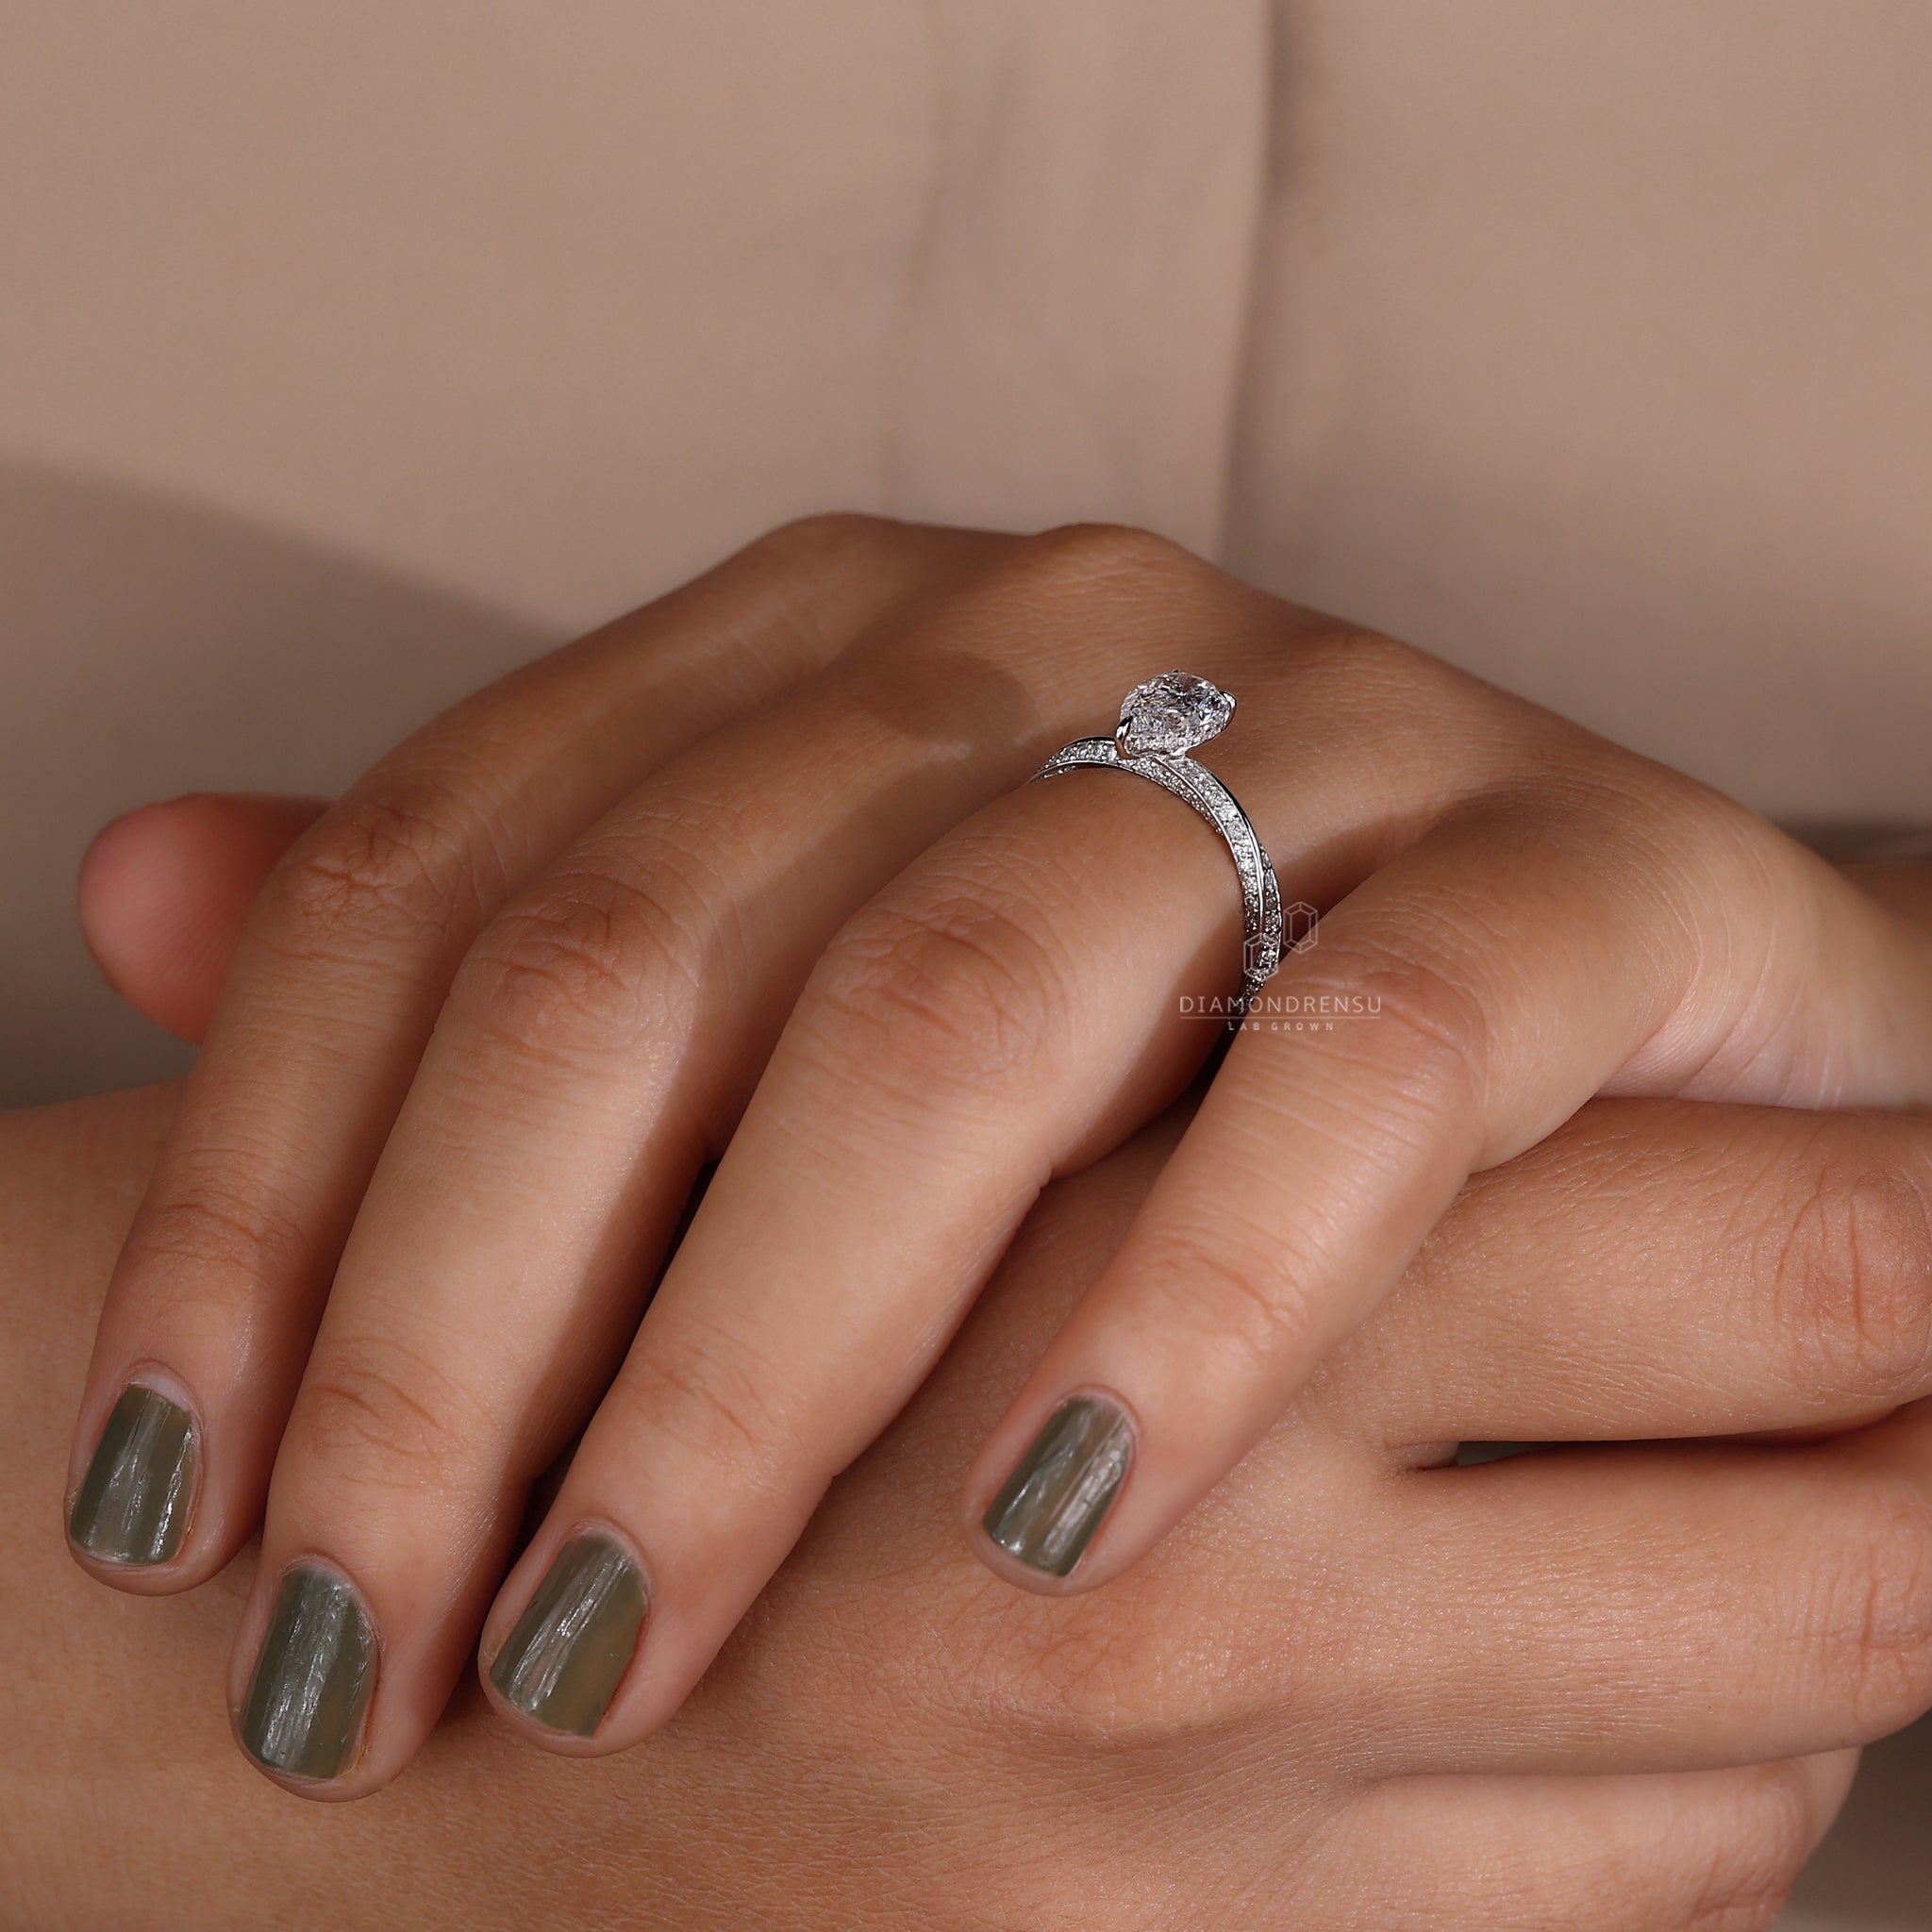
pixel 133 1503
pixel 562 1663
pixel 1060 1493
pixel 313 1677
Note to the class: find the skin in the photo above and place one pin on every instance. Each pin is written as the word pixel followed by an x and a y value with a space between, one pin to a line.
pixel 754 867
pixel 1394 1657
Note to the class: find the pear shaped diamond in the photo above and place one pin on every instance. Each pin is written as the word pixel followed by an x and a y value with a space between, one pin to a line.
pixel 1171 713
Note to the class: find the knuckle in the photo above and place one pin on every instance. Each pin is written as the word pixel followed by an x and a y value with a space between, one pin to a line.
pixel 1094 569
pixel 706 1395
pixel 954 987
pixel 822 535
pixel 1083 555
pixel 1751 1852
pixel 1372 660
pixel 394 858
pixel 381 1413
pixel 1850 1264
pixel 1237 1288
pixel 208 1234
pixel 1724 834
pixel 1100 1682
pixel 1009 1667
pixel 1872 1608
pixel 1438 1019
pixel 1140 1667
pixel 1742 1902
pixel 1624 811
pixel 1410 697
pixel 587 966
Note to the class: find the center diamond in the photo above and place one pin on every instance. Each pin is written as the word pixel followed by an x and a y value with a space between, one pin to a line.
pixel 1171 713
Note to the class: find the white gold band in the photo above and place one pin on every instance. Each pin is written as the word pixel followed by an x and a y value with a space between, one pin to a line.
pixel 1261 915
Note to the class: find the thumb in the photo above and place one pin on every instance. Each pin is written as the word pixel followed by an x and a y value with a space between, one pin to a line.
pixel 164 891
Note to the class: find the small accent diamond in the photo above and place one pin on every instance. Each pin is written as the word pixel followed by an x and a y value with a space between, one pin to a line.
pixel 1171 714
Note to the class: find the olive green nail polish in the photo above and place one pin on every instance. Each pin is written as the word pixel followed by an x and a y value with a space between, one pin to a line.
pixel 313 1677
pixel 133 1503
pixel 1060 1493
pixel 562 1663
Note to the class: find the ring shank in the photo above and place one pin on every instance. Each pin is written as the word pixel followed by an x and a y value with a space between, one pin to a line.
pixel 1196 786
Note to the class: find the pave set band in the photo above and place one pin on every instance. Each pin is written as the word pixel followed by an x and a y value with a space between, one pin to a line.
pixel 1161 722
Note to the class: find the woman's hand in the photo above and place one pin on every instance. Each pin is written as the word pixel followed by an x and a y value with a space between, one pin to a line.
pixel 1353 1692
pixel 502 1002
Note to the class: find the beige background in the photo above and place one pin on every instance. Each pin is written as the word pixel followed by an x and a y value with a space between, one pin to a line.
pixel 351 354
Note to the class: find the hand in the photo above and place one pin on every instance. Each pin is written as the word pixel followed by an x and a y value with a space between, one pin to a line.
pixel 944 1014
pixel 1352 1693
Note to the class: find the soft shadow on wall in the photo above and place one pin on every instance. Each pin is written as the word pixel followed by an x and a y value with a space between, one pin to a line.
pixel 151 647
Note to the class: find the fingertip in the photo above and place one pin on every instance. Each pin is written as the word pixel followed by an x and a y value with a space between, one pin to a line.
pixel 164 890
pixel 1035 1582
pixel 560 1669
pixel 1040 1528
pixel 527 1730
pixel 135 1486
